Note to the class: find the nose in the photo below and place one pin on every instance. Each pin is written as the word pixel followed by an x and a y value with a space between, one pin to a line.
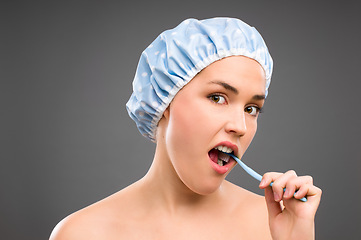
pixel 236 123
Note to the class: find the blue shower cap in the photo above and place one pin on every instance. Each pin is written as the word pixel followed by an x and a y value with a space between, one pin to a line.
pixel 178 54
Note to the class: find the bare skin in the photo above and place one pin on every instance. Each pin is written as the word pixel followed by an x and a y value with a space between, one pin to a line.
pixel 182 196
pixel 131 215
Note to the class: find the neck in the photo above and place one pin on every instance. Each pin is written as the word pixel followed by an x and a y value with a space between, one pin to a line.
pixel 164 188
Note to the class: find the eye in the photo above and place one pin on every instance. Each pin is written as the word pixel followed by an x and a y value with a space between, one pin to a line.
pixel 252 110
pixel 217 99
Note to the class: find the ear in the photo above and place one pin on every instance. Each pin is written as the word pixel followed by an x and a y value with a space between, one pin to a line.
pixel 166 113
pixel 162 125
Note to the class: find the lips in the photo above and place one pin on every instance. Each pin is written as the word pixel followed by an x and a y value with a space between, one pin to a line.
pixel 219 157
pixel 220 161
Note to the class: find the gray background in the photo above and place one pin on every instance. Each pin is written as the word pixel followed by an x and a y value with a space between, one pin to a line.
pixel 66 72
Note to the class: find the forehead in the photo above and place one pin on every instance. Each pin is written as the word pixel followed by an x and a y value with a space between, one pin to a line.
pixel 238 71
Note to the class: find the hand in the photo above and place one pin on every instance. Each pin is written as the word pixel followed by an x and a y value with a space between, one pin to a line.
pixel 290 218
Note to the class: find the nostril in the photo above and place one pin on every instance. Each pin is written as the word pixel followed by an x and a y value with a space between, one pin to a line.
pixel 238 128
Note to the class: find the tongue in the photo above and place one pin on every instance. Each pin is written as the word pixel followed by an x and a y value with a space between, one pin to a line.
pixel 213 155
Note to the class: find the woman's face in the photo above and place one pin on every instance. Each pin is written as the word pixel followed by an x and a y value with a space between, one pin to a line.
pixel 216 111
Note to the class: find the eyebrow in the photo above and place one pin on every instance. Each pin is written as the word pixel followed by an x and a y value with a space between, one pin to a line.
pixel 233 89
pixel 259 97
pixel 226 86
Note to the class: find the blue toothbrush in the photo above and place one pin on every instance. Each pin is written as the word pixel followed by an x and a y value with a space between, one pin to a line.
pixel 253 173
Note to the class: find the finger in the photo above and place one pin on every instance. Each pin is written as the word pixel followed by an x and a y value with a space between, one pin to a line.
pixel 305 210
pixel 268 178
pixel 280 183
pixel 308 190
pixel 294 184
pixel 274 208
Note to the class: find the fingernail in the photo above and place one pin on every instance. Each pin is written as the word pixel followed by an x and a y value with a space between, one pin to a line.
pixel 262 183
pixel 287 193
pixel 276 197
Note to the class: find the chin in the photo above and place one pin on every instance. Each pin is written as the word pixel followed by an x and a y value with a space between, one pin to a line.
pixel 207 187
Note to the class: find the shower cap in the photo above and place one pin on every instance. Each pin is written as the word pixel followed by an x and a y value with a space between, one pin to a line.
pixel 178 54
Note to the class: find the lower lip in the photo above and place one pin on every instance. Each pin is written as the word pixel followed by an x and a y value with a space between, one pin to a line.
pixel 222 169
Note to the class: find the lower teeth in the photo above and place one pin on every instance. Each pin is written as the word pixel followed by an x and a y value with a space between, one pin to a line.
pixel 220 162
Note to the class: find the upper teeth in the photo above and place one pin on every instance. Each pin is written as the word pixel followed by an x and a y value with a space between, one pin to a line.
pixel 224 149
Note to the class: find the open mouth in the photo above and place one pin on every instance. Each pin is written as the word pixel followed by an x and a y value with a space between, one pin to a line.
pixel 219 156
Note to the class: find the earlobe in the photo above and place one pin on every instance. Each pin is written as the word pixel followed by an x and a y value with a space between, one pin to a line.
pixel 162 125
pixel 166 113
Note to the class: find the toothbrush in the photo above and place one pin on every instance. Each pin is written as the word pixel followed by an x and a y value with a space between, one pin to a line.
pixel 254 174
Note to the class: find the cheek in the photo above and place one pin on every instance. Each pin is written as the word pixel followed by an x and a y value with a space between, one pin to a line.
pixel 251 132
pixel 182 128
pixel 252 126
pixel 188 117
pixel 189 131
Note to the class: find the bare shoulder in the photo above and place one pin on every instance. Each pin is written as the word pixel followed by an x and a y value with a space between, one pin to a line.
pixel 247 198
pixel 251 212
pixel 102 220
pixel 74 226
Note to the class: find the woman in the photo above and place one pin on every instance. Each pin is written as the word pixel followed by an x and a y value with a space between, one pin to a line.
pixel 198 92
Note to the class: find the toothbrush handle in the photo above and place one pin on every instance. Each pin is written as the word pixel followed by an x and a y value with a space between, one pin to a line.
pixel 254 174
